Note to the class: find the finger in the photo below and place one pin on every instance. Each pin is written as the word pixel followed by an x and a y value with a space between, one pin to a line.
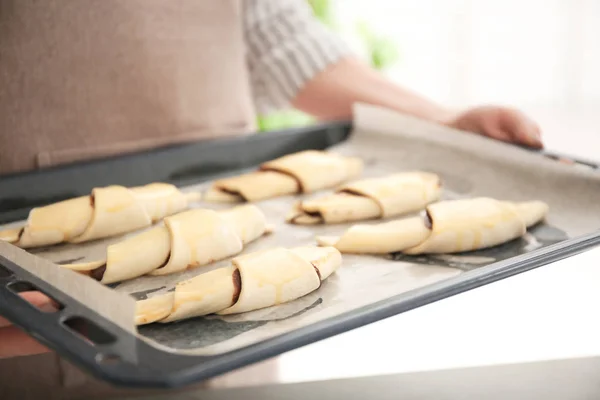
pixel 537 130
pixel 521 129
pixel 36 299
pixel 496 133
pixel 14 342
pixel 529 136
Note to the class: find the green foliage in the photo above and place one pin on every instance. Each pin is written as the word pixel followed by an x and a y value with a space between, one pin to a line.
pixel 322 10
pixel 283 120
pixel 383 51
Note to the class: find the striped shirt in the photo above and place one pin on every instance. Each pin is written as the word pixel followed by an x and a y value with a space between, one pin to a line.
pixel 286 47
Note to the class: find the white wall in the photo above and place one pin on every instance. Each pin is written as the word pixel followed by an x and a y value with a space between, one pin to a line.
pixel 529 53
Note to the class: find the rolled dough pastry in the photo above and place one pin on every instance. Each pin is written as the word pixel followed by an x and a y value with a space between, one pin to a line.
pixel 302 172
pixel 108 211
pixel 253 281
pixel 382 197
pixel 185 240
pixel 446 227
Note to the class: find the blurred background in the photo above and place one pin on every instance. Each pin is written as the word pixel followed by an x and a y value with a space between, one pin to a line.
pixel 542 56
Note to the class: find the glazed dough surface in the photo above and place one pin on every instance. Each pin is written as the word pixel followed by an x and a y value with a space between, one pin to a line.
pixel 108 211
pixel 185 240
pixel 253 281
pixel 447 227
pixel 381 197
pixel 302 172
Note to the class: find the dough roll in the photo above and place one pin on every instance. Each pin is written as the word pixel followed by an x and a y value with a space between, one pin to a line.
pixel 107 211
pixel 446 227
pixel 186 240
pixel 302 172
pixel 382 197
pixel 253 281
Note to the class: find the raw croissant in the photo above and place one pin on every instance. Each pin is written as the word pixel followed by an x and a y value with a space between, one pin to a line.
pixel 302 172
pixel 383 197
pixel 447 227
pixel 253 281
pixel 108 211
pixel 185 240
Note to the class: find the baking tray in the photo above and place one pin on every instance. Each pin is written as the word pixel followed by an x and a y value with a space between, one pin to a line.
pixel 131 360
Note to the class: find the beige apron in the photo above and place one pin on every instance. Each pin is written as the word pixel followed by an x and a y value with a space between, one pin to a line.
pixel 82 79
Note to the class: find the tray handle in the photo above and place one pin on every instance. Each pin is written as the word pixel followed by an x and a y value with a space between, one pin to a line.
pixel 91 338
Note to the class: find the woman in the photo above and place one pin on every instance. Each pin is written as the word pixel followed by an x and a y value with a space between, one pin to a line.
pixel 84 79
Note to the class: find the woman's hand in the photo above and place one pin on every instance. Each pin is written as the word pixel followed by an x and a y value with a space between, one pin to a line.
pixel 506 124
pixel 330 95
pixel 13 341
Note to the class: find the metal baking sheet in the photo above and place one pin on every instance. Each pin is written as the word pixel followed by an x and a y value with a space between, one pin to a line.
pixel 365 285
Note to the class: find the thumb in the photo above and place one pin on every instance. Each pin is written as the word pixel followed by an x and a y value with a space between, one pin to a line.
pixel 521 129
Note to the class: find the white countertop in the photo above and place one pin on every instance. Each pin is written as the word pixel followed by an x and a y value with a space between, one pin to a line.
pixel 547 313
pixel 544 314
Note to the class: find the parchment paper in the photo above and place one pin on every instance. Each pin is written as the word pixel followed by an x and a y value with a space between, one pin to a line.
pixel 388 142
